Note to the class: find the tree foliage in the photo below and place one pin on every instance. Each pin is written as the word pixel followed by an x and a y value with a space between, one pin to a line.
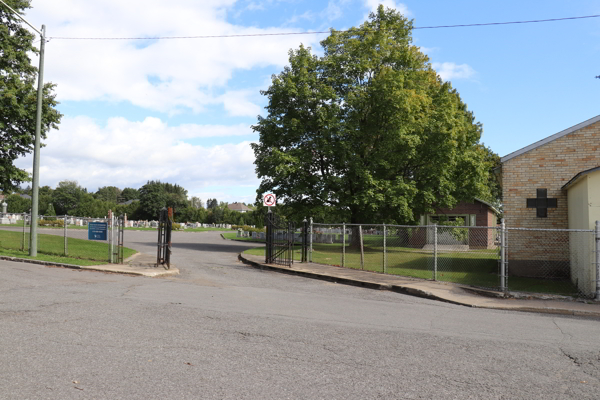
pixel 67 196
pixel 130 194
pixel 18 96
pixel 368 131
pixel 108 193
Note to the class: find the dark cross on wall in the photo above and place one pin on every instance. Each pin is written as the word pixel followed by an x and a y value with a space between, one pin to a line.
pixel 542 203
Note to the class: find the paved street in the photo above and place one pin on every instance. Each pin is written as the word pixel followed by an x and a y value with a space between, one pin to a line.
pixel 222 330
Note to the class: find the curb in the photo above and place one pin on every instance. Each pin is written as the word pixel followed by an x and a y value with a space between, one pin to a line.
pixel 99 268
pixel 416 292
pixel 351 282
pixel 40 262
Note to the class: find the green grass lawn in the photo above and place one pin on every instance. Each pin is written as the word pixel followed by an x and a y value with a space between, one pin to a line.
pixel 474 267
pixel 51 248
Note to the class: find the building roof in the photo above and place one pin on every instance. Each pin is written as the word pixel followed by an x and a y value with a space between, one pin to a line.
pixel 128 202
pixel 550 138
pixel 489 205
pixel 579 176
pixel 238 207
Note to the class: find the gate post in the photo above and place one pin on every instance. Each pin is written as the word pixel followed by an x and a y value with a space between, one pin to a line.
pixel 310 240
pixel 362 248
pixel 384 250
pixel 269 241
pixel 163 255
pixel 503 256
pixel 305 240
pixel 597 232
pixel 344 244
pixel 291 236
pixel 435 250
pixel 65 227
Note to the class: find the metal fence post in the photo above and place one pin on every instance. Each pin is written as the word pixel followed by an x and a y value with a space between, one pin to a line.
pixel 435 249
pixel 597 260
pixel 310 240
pixel 362 248
pixel 305 241
pixel 344 244
pixel 384 250
pixel 65 228
pixel 503 256
pixel 268 241
pixel 23 238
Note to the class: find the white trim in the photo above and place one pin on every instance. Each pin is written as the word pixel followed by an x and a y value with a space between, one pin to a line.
pixel 550 139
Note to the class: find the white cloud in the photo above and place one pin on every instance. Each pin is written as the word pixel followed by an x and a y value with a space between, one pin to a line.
pixel 448 71
pixel 237 104
pixel 166 75
pixel 125 153
pixel 373 4
pixel 333 10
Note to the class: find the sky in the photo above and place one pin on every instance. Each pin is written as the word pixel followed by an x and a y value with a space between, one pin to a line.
pixel 181 110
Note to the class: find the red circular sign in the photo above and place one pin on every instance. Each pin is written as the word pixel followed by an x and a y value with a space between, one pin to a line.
pixel 269 200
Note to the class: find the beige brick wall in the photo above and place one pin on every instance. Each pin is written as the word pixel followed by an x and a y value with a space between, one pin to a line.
pixel 549 166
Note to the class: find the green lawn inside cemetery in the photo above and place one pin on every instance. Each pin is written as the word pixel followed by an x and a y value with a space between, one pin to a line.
pixel 475 267
pixel 51 248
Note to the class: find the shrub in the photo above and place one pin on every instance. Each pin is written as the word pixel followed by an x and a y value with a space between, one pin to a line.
pixel 51 222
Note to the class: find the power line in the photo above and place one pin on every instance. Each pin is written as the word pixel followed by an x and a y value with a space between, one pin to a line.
pixel 315 32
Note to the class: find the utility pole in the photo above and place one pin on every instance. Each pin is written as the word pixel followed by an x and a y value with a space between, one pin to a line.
pixel 38 127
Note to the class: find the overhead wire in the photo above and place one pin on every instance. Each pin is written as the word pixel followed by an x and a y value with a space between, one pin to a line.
pixel 317 32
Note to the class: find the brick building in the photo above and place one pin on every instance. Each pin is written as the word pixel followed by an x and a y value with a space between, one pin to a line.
pixel 475 213
pixel 542 169
pixel 536 195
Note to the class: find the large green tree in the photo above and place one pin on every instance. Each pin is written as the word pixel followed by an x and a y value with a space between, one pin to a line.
pixel 18 95
pixel 368 130
pixel 155 195
pixel 130 194
pixel 108 193
pixel 67 196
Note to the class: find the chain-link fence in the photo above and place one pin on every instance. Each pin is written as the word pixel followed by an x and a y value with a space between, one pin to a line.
pixel 16 236
pixel 542 261
pixel 551 261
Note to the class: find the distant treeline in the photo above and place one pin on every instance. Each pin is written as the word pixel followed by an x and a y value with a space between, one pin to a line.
pixel 139 204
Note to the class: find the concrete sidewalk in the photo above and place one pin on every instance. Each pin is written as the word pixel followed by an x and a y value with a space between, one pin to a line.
pixel 138 264
pixel 443 291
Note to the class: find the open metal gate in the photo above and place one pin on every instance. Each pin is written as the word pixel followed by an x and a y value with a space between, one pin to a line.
pixel 120 225
pixel 280 240
pixel 165 224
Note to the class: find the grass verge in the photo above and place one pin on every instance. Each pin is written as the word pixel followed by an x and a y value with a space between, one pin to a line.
pixel 51 248
pixel 474 267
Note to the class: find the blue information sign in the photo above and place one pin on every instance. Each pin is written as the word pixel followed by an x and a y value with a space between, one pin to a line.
pixel 97 230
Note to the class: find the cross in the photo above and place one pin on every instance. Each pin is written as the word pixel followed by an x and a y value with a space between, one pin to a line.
pixel 542 203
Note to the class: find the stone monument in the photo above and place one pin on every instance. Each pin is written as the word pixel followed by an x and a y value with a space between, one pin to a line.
pixel 3 218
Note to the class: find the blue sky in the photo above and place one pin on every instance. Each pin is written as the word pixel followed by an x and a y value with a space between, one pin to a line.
pixel 180 110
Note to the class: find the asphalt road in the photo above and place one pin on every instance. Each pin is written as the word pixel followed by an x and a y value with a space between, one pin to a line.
pixel 222 330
